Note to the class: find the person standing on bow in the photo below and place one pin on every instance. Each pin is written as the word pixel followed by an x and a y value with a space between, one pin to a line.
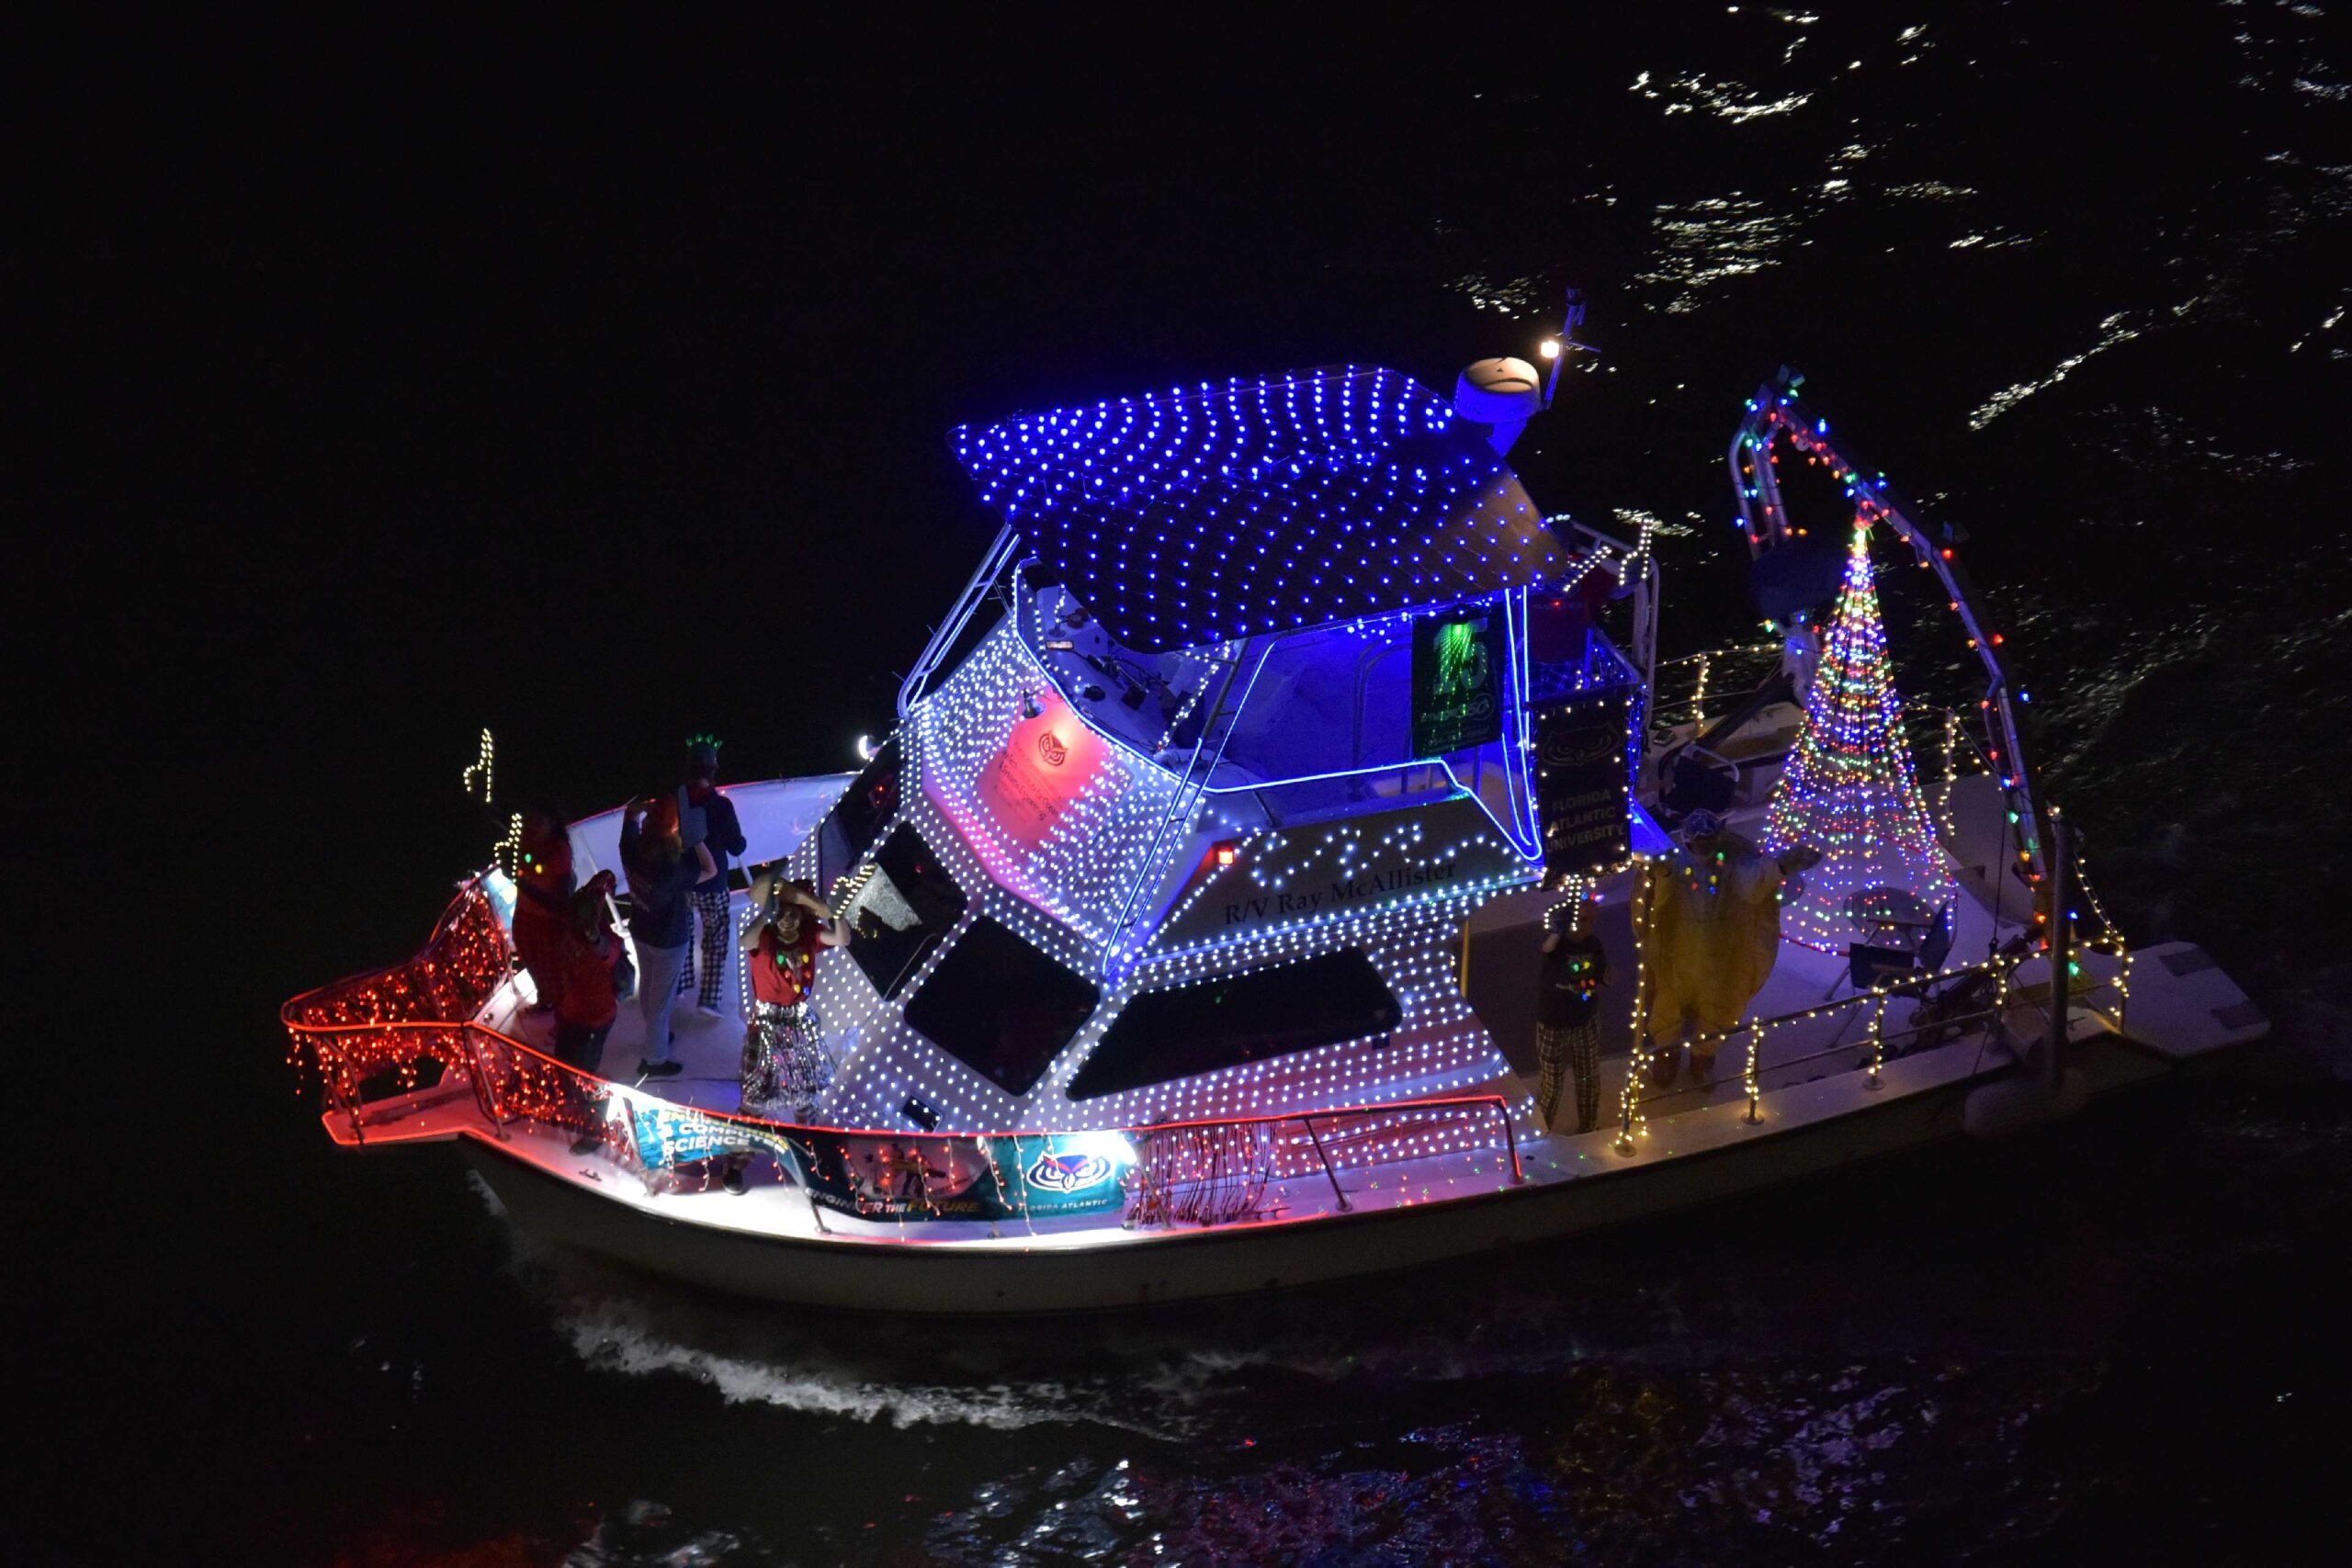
pixel 543 884
pixel 661 873
pixel 1568 1014
pixel 722 833
pixel 589 956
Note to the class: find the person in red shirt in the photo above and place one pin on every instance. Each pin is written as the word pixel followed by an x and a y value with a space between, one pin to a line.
pixel 543 885
pixel 785 1065
pixel 585 956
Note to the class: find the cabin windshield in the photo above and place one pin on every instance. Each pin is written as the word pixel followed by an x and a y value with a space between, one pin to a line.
pixel 1326 700
pixel 1377 712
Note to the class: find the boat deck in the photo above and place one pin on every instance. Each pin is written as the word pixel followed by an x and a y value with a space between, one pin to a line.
pixel 1506 939
pixel 711 1048
pixel 1811 1073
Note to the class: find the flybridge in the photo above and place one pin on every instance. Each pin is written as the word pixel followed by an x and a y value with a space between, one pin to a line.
pixel 1238 508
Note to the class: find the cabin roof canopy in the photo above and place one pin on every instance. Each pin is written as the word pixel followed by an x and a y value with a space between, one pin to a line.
pixel 1237 508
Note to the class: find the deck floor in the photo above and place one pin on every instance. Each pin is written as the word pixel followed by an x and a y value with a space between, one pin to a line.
pixel 711 1048
pixel 1803 978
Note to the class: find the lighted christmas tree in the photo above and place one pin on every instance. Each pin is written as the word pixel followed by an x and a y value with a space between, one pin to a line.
pixel 1849 789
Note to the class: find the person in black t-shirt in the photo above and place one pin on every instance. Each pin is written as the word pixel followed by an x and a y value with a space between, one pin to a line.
pixel 707 817
pixel 1568 1015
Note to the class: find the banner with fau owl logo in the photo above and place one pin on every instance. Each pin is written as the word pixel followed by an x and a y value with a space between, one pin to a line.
pixel 1457 682
pixel 936 1176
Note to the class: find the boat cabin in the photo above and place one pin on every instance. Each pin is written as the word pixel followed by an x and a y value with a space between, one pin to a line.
pixel 1245 730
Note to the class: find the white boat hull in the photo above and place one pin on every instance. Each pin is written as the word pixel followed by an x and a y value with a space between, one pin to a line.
pixel 933 1277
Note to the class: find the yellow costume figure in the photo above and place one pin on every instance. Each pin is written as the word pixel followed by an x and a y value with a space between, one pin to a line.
pixel 1709 915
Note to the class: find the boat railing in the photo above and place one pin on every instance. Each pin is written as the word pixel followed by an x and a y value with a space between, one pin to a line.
pixel 1206 1172
pixel 1967 752
pixel 1870 1054
pixel 385 1057
pixel 393 1021
pixel 1934 1021
pixel 1687 687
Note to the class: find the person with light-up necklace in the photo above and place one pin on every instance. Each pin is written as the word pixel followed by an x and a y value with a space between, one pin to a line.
pixel 785 1065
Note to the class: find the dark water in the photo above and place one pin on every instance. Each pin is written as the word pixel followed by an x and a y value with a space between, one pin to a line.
pixel 370 386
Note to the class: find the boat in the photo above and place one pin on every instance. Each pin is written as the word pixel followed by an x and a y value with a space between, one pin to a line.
pixel 1199 893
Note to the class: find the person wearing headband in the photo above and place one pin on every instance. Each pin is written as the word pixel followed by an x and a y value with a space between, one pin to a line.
pixel 543 888
pixel 784 1064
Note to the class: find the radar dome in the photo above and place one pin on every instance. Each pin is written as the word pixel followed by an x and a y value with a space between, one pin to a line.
pixel 1502 394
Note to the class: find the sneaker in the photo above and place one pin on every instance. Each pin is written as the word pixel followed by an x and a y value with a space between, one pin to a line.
pixel 733 1180
pixel 668 1069
pixel 704 1011
pixel 586 1144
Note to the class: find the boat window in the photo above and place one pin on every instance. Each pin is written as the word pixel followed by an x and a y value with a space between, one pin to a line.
pixel 864 809
pixel 1187 1029
pixel 1000 1007
pixel 1376 694
pixel 871 800
pixel 903 911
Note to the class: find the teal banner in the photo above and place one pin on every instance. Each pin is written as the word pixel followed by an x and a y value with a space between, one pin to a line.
pixel 930 1177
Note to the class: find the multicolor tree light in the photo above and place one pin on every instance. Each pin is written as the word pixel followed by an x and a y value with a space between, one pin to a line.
pixel 1849 788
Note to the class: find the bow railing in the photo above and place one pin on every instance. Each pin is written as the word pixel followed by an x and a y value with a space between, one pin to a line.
pixel 403 1062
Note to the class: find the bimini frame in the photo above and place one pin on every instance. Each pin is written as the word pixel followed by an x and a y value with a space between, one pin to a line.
pixel 1777 411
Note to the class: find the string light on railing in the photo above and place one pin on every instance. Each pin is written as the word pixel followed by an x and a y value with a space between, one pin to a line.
pixel 1751 1079
pixel 1637 1062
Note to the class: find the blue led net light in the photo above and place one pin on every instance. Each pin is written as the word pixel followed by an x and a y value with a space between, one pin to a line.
pixel 1202 515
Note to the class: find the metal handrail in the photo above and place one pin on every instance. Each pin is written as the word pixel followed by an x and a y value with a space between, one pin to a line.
pixel 494 1108
pixel 1842 1046
pixel 514 1081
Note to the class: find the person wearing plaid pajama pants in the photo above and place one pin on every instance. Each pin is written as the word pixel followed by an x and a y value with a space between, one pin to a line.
pixel 707 817
pixel 1567 1018
pixel 714 945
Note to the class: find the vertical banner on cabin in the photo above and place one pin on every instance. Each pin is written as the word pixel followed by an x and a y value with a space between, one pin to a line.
pixel 934 1177
pixel 1582 782
pixel 1457 682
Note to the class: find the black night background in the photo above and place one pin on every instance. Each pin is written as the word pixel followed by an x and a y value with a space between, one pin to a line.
pixel 586 376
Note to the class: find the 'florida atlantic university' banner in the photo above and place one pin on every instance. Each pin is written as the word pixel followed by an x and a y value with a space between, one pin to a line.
pixel 1581 781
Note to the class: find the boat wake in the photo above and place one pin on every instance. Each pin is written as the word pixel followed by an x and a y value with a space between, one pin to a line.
pixel 630 1338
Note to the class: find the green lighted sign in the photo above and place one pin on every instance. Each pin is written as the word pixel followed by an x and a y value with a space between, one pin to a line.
pixel 1457 682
